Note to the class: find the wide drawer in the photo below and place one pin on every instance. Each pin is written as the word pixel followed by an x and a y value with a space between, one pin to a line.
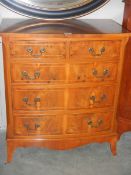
pixel 48 51
pixel 94 72
pixel 91 97
pixel 94 50
pixel 40 99
pixel 25 125
pixel 38 73
pixel 89 123
pixel 42 73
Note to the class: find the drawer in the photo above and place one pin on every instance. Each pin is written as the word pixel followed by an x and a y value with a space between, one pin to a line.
pixel 96 72
pixel 40 99
pixel 38 73
pixel 38 125
pixel 91 97
pixel 94 50
pixel 89 123
pixel 48 51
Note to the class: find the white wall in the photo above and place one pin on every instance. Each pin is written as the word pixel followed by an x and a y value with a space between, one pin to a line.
pixel 2 91
pixel 112 10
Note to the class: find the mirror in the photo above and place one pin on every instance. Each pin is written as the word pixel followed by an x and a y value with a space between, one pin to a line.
pixel 56 4
pixel 53 9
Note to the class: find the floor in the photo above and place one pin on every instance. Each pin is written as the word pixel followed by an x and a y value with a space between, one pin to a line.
pixel 93 159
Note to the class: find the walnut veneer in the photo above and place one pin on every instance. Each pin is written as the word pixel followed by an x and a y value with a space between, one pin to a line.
pixel 62 87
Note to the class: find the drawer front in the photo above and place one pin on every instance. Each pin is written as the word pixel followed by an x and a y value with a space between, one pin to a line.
pixel 38 73
pixel 93 72
pixel 34 50
pixel 92 97
pixel 89 123
pixel 89 50
pixel 38 125
pixel 38 99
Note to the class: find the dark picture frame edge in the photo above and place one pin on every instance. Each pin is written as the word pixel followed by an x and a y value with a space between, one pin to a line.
pixel 53 15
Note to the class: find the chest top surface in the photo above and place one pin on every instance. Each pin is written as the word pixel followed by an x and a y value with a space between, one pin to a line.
pixel 61 27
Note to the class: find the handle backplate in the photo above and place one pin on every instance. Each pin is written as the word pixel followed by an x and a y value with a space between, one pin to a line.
pixel 36 127
pixel 35 104
pixel 105 74
pixel 97 125
pixel 26 76
pixel 93 52
pixel 31 52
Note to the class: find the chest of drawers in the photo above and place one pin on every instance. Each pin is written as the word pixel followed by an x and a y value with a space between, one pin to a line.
pixel 62 90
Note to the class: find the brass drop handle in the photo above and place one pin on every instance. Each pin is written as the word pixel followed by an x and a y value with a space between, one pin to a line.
pixel 93 99
pixel 36 127
pixel 97 125
pixel 93 53
pixel 26 76
pixel 106 73
pixel 35 104
pixel 30 51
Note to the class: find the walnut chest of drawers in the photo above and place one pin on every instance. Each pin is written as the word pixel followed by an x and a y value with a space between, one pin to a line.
pixel 62 90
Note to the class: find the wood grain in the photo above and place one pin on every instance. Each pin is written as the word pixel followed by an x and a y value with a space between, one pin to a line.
pixel 73 98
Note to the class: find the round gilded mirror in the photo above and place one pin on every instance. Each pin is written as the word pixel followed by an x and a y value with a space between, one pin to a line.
pixel 53 9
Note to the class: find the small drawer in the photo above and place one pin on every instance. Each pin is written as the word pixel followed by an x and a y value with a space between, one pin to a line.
pixel 91 97
pixel 94 50
pixel 46 51
pixel 95 72
pixel 37 125
pixel 40 99
pixel 89 123
pixel 40 73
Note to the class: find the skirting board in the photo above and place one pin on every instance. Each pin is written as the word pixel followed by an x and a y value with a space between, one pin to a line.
pixel 2 91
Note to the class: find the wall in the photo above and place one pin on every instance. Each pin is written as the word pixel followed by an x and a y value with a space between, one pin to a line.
pixel 2 94
pixel 112 10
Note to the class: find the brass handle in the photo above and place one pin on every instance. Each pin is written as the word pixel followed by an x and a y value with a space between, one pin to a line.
pixel 36 126
pixel 93 53
pixel 97 125
pixel 26 76
pixel 35 104
pixel 106 73
pixel 30 51
pixel 93 99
